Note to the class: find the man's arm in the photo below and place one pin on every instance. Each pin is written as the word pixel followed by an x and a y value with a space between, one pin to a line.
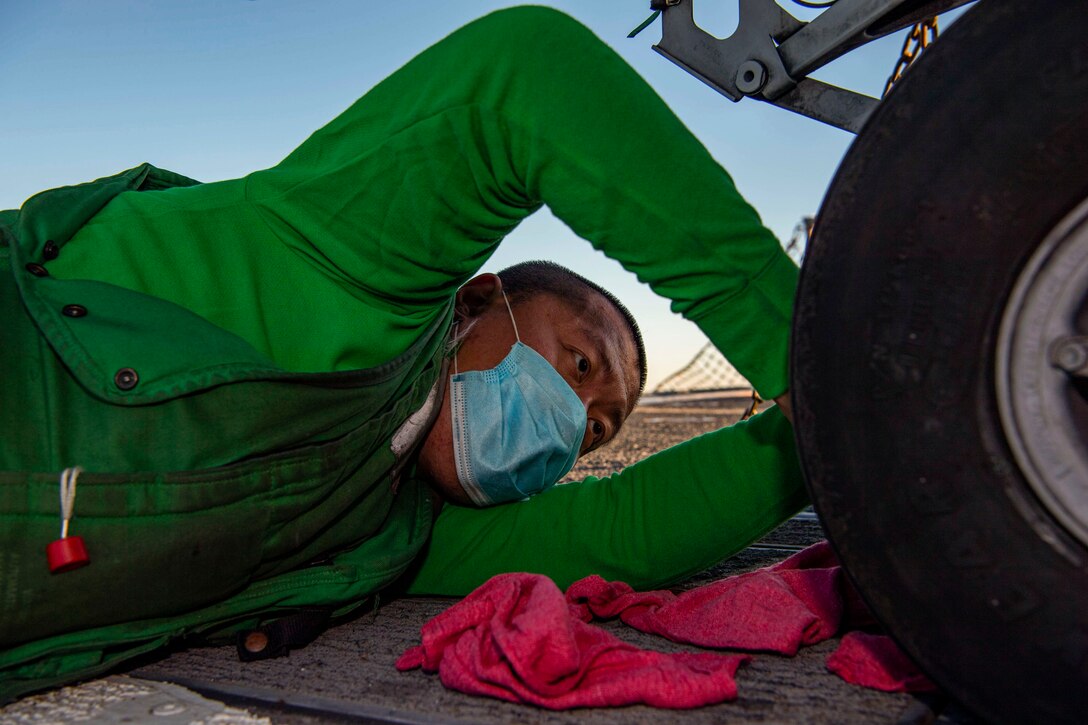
pixel 656 522
pixel 408 192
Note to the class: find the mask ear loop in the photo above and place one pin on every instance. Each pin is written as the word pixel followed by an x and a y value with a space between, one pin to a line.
pixel 457 344
pixel 511 311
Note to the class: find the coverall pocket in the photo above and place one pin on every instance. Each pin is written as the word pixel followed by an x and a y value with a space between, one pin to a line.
pixel 155 548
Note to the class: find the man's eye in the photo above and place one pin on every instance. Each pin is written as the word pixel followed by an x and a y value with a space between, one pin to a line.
pixel 582 364
pixel 597 428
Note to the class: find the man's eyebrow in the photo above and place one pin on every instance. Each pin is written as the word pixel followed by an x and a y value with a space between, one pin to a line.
pixel 607 356
pixel 617 416
pixel 607 360
pixel 605 351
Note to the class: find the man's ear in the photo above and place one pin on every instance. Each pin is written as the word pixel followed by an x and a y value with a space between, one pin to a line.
pixel 478 294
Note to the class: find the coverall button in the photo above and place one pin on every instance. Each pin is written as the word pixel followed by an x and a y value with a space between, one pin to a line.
pixel 74 311
pixel 126 379
pixel 256 642
pixel 50 250
pixel 37 270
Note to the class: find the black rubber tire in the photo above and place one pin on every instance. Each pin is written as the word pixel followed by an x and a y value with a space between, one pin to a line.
pixel 975 156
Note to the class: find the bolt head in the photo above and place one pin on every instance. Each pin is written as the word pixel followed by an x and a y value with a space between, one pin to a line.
pixel 751 77
pixel 1070 354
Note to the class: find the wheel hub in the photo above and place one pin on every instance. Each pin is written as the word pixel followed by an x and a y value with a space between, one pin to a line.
pixel 1042 372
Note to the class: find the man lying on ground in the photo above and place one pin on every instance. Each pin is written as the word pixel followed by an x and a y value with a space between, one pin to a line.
pixel 252 393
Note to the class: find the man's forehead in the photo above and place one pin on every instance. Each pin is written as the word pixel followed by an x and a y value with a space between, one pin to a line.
pixel 596 314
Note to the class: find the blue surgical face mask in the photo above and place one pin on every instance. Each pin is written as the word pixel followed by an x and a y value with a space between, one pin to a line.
pixel 517 427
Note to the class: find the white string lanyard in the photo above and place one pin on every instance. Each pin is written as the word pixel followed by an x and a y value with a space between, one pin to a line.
pixel 68 479
pixel 67 552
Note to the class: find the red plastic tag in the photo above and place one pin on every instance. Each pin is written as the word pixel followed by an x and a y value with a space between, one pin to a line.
pixel 66 554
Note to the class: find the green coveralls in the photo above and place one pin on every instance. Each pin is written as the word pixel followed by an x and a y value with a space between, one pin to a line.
pixel 240 354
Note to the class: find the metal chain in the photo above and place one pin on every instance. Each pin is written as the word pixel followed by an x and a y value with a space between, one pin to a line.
pixel 919 38
pixel 753 406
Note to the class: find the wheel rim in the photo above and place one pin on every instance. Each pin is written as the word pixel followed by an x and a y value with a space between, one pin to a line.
pixel 1042 372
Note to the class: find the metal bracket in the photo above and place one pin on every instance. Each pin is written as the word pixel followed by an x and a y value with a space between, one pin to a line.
pixel 718 62
pixel 771 52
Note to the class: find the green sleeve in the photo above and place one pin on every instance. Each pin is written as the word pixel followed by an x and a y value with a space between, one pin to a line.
pixel 410 190
pixel 344 253
pixel 656 522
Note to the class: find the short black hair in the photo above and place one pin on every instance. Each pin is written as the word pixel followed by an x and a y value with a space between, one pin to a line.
pixel 525 279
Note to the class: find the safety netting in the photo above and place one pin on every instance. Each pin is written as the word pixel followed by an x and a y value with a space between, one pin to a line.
pixel 708 370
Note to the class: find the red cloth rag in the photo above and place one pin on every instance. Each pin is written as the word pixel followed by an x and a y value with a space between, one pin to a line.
pixel 874 660
pixel 514 639
pixel 800 601
pixel 796 602
pixel 518 639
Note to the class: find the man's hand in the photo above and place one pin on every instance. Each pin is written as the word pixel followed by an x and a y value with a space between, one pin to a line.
pixel 783 402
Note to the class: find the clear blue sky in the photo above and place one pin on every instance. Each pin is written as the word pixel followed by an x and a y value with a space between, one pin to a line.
pixel 216 88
